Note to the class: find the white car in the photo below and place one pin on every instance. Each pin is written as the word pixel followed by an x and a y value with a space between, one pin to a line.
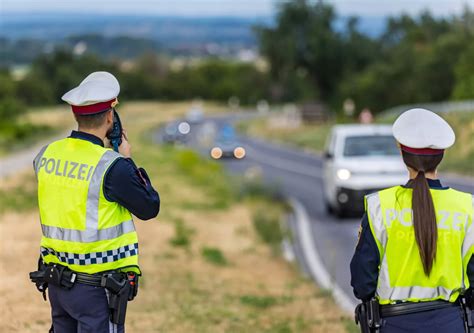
pixel 360 159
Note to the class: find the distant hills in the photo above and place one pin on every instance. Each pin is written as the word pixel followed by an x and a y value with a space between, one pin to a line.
pixel 126 36
pixel 166 30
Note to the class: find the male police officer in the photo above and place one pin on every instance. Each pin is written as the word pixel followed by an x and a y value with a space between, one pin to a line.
pixel 87 194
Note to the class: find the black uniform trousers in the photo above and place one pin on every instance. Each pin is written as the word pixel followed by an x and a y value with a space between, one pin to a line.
pixel 447 320
pixel 81 309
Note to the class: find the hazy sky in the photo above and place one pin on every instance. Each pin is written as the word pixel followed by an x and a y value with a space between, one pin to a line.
pixel 245 8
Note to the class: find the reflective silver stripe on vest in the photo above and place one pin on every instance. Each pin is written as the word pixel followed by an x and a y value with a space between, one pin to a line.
pixel 91 233
pixel 37 160
pixel 468 242
pixel 375 215
pixel 73 235
pixel 404 293
pixel 374 210
pixel 385 292
pixel 93 194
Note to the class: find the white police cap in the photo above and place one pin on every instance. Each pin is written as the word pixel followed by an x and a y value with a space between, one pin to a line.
pixel 422 131
pixel 96 93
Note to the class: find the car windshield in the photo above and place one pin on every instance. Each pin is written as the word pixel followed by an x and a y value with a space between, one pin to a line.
pixel 226 134
pixel 227 140
pixel 171 129
pixel 370 145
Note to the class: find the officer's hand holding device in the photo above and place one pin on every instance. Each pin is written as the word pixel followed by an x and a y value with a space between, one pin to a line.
pixel 115 134
pixel 118 137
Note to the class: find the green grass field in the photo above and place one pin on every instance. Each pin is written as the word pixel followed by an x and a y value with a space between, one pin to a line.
pixel 460 158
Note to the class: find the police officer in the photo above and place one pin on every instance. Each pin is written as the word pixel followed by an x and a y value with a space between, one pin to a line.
pixel 416 241
pixel 87 194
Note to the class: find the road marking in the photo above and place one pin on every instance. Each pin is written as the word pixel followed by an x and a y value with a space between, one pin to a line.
pixel 286 246
pixel 287 250
pixel 284 164
pixel 314 262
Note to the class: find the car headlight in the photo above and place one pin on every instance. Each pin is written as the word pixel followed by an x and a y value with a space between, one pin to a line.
pixel 343 174
pixel 184 128
pixel 239 153
pixel 216 153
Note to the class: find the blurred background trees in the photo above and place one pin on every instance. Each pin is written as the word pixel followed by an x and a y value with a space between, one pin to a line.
pixel 416 59
pixel 305 56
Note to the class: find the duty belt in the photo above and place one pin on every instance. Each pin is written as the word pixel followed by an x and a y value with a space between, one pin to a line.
pixel 391 310
pixel 95 280
pixel 89 279
pixel 121 286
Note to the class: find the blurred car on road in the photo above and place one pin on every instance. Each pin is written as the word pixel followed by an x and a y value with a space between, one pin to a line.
pixel 195 115
pixel 227 145
pixel 360 159
pixel 176 132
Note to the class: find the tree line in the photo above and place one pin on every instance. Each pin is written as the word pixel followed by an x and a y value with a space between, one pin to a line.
pixel 416 59
pixel 150 77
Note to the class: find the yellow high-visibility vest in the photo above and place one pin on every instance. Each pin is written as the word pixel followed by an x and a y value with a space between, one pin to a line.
pixel 401 274
pixel 81 228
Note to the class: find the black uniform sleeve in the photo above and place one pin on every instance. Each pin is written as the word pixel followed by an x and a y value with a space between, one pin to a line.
pixel 365 264
pixel 470 272
pixel 130 187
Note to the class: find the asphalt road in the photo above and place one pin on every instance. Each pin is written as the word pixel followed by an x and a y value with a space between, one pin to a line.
pixel 298 175
pixel 22 160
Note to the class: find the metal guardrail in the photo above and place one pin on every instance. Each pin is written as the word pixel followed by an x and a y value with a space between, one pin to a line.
pixel 440 107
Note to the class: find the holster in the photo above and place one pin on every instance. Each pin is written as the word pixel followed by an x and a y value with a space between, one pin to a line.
pixel 54 274
pixel 367 316
pixel 467 305
pixel 60 276
pixel 37 277
pixel 122 287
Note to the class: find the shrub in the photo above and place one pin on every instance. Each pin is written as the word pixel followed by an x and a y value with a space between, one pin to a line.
pixel 214 256
pixel 10 109
pixel 259 301
pixel 182 234
pixel 267 227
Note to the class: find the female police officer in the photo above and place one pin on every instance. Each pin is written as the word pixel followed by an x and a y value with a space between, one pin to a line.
pixel 416 240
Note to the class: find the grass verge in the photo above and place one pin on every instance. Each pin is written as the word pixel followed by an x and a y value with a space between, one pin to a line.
pixel 214 256
pixel 36 125
pixel 20 135
pixel 310 137
pixel 459 158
